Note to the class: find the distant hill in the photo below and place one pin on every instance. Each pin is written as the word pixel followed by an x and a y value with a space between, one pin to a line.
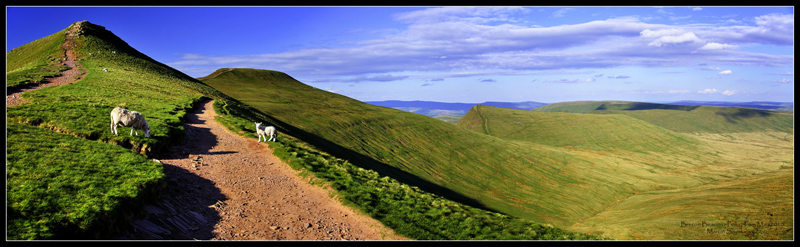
pixel 712 119
pixel 689 118
pixel 763 105
pixel 601 132
pixel 589 106
pixel 449 112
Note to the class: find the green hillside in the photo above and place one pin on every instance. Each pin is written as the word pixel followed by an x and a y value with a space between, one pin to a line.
pixel 607 132
pixel 540 181
pixel 68 177
pixel 82 181
pixel 751 150
pixel 685 119
pixel 712 119
pixel 32 62
pixel 589 106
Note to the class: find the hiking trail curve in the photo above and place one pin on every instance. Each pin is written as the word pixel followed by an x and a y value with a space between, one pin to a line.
pixel 222 186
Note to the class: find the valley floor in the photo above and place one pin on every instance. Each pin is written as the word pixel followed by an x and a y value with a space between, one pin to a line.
pixel 755 200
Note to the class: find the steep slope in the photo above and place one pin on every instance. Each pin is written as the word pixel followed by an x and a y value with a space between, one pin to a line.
pixel 84 179
pixel 544 183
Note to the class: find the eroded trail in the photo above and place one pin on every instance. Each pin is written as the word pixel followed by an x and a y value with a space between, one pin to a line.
pixel 226 187
pixel 73 74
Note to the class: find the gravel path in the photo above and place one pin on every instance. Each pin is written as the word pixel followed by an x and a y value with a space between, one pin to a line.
pixel 226 187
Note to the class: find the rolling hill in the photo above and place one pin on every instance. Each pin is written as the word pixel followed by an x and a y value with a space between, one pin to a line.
pixel 753 161
pixel 556 180
pixel 584 171
pixel 69 178
pixel 449 112
pixel 589 106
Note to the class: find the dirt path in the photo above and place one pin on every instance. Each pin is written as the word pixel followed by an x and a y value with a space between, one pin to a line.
pixel 74 74
pixel 226 187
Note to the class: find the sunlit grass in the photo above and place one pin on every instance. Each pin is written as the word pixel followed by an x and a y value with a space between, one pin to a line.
pixel 68 175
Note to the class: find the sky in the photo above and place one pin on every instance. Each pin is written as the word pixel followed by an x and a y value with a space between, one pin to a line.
pixel 464 54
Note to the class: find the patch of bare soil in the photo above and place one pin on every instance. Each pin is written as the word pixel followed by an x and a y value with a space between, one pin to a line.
pixel 222 186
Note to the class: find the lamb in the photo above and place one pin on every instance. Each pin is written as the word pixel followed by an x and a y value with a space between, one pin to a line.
pixel 126 118
pixel 265 130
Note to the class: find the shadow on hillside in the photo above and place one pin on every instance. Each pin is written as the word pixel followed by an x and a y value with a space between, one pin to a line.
pixel 740 113
pixel 367 162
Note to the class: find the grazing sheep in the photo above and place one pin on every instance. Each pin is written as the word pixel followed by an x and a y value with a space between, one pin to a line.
pixel 126 118
pixel 263 131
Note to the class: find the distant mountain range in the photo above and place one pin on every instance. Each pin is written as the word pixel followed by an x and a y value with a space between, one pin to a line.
pixel 437 109
pixel 763 105
pixel 432 108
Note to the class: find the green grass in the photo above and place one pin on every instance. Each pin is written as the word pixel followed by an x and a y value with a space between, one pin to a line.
pixel 711 119
pixel 134 81
pixel 424 177
pixel 589 106
pixel 608 132
pixel 757 207
pixel 408 210
pixel 32 62
pixel 745 193
pixel 534 180
pixel 95 179
pixel 63 187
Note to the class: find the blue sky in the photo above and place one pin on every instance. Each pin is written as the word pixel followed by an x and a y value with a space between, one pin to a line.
pixel 465 54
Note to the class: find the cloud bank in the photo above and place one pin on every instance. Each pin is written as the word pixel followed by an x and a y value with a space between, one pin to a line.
pixel 455 39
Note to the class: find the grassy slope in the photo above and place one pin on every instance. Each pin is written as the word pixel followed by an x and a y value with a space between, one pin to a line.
pixel 760 206
pixel 34 61
pixel 582 131
pixel 711 119
pixel 754 159
pixel 46 207
pixel 524 179
pixel 588 106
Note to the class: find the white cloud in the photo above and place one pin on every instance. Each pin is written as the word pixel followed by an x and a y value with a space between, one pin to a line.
pixel 716 46
pixel 730 92
pixel 669 36
pixel 678 91
pixel 708 91
pixel 725 72
pixel 561 12
pixel 376 78
pixel 458 40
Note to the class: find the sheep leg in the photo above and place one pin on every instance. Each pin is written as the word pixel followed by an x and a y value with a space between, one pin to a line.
pixel 134 130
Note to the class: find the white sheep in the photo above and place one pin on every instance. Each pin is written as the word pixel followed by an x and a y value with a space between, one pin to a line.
pixel 265 130
pixel 126 118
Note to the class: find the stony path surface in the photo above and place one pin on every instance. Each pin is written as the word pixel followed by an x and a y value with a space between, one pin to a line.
pixel 226 187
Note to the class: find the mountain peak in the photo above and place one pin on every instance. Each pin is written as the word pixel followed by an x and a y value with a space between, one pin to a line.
pixel 80 28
